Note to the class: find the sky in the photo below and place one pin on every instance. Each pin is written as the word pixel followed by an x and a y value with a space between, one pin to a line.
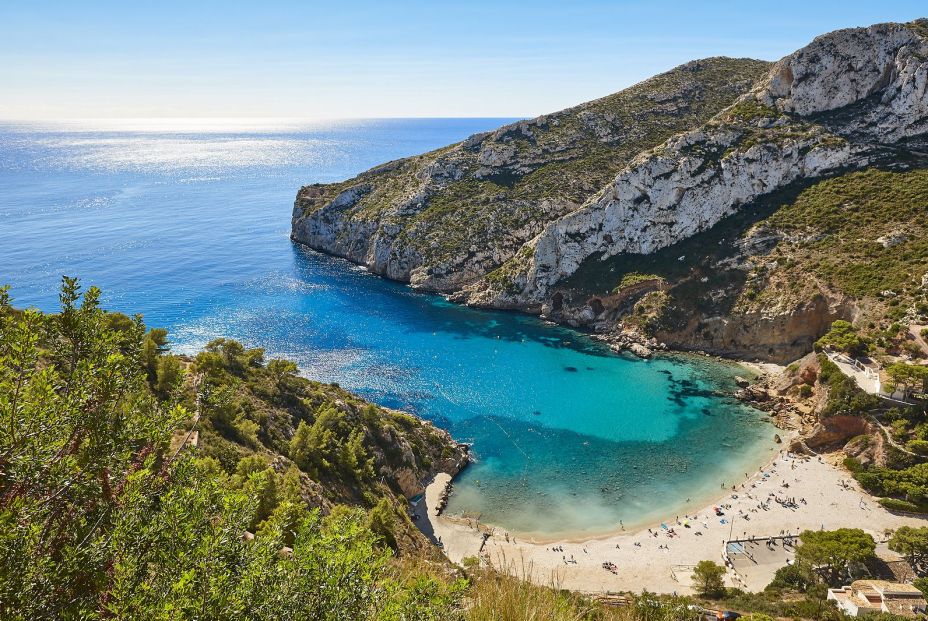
pixel 358 59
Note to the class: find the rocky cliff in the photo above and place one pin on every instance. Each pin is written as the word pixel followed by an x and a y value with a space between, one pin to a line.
pixel 834 105
pixel 550 215
pixel 445 219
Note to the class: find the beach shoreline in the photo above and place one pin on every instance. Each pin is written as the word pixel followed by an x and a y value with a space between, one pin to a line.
pixel 660 559
pixel 695 504
pixel 763 456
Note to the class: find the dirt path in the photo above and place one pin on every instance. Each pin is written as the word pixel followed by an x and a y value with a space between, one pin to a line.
pixel 916 331
pixel 889 438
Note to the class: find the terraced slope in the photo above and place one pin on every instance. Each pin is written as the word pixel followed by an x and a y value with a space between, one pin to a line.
pixel 444 219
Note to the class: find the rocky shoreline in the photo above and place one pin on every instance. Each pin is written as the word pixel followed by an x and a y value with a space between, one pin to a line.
pixel 630 341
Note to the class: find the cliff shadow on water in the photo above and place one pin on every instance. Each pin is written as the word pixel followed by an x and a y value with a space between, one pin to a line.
pixel 362 292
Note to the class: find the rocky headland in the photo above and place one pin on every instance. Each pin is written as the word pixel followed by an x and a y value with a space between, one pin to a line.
pixel 690 210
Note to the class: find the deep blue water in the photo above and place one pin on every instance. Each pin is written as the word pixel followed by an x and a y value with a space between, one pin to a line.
pixel 190 228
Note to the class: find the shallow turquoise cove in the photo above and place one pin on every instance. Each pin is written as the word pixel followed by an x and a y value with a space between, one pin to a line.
pixel 191 229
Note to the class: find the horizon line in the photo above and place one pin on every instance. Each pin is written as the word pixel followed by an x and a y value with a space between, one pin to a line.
pixel 256 118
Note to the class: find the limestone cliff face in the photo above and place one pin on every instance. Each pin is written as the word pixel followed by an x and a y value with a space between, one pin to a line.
pixel 540 215
pixel 781 333
pixel 663 200
pixel 443 220
pixel 823 109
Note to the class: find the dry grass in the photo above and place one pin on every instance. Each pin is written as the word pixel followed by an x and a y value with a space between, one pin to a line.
pixel 510 596
pixel 503 598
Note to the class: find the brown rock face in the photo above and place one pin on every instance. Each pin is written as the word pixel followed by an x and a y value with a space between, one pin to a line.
pixel 779 337
pixel 808 375
pixel 836 430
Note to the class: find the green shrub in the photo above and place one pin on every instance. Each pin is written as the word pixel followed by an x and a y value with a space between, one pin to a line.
pixel 835 550
pixel 828 370
pixel 844 395
pixel 895 504
pixel 709 578
pixel 852 464
pixel 634 278
pixel 793 577
pixel 843 337
pixel 381 520
pixel 921 584
pixel 918 446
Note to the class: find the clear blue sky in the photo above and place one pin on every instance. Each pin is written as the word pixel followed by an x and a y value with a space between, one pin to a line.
pixel 313 59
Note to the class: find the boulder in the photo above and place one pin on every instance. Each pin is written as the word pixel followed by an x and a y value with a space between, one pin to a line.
pixel 640 350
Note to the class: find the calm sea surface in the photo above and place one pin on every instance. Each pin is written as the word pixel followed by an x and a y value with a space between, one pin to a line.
pixel 189 225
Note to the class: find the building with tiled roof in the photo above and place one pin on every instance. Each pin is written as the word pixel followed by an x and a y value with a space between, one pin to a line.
pixel 873 596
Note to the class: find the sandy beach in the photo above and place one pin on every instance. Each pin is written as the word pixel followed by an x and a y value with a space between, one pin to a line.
pixel 790 494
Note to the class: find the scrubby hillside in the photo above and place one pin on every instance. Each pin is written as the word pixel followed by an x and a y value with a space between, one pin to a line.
pixel 140 485
pixel 259 415
pixel 769 281
pixel 445 218
pixel 850 99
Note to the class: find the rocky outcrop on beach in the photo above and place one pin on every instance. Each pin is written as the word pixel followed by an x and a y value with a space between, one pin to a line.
pixel 551 215
pixel 409 459
pixel 632 342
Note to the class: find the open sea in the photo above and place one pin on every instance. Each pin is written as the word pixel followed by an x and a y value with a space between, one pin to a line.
pixel 187 223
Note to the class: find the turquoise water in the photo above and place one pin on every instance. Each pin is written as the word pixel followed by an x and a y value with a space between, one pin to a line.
pixel 190 227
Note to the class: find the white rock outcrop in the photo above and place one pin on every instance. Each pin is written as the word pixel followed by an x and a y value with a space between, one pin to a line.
pixel 829 105
pixel 445 219
pixel 885 62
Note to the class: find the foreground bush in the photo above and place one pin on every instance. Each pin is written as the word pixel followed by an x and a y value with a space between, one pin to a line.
pixel 98 519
